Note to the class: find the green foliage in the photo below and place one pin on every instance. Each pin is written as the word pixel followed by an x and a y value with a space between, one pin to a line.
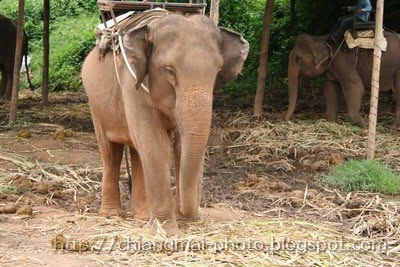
pixel 70 41
pixel 71 37
pixel 59 10
pixel 245 17
pixel 364 175
pixel 73 21
pixel 7 189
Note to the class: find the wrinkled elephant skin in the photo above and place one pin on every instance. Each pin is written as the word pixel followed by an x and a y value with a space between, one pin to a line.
pixel 183 58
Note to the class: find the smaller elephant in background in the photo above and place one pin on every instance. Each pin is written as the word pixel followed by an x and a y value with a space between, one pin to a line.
pixel 350 70
pixel 8 35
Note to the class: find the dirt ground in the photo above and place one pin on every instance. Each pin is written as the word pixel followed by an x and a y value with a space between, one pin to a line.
pixel 261 182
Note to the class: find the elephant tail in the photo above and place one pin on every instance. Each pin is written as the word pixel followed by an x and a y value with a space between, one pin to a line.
pixel 27 72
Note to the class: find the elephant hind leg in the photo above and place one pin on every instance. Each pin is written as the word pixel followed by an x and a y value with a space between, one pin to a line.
pixel 396 123
pixel 111 155
pixel 4 79
pixel 140 203
pixel 9 73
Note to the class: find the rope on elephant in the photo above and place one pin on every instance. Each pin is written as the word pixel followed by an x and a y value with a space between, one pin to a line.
pixel 110 38
pixel 334 55
pixel 134 20
pixel 127 65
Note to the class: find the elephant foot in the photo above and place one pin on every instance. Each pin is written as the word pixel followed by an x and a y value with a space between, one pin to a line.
pixel 331 118
pixel 140 208
pixel 7 96
pixel 396 125
pixel 111 210
pixel 362 124
pixel 194 218
pixel 178 214
pixel 141 214
pixel 170 227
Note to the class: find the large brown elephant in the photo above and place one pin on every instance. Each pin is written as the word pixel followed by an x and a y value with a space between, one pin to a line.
pixel 184 58
pixel 8 34
pixel 350 70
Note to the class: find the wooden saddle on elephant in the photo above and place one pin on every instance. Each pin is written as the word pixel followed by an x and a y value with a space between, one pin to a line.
pixel 139 13
pixel 363 38
pixel 362 34
pixel 105 32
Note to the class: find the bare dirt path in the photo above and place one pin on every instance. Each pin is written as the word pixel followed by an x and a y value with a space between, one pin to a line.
pixel 261 185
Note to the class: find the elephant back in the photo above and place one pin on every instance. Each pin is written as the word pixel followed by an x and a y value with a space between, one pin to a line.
pixel 127 22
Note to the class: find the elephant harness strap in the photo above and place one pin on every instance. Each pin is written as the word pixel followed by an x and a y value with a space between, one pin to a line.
pixel 331 51
pixel 110 37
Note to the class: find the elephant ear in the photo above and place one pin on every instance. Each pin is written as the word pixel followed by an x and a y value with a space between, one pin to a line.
pixel 138 50
pixel 234 52
pixel 322 53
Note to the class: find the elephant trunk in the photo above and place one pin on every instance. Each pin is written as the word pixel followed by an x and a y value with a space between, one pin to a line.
pixel 194 120
pixel 293 75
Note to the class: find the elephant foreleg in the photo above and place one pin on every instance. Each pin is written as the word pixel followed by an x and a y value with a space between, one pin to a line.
pixel 353 91
pixel 331 100
pixel 153 145
pixel 111 155
pixel 140 203
pixel 396 123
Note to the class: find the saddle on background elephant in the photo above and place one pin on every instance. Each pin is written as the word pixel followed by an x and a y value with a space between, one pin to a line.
pixel 180 59
pixel 350 70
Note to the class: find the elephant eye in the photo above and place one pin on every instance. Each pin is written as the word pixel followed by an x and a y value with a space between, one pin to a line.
pixel 170 73
pixel 170 70
pixel 299 60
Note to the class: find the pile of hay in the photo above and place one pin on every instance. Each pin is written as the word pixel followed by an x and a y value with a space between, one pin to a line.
pixel 253 241
pixel 299 227
pixel 281 144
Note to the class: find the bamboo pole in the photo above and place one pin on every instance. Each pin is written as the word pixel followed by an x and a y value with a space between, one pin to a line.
pixel 373 113
pixel 17 62
pixel 46 48
pixel 263 66
pixel 214 11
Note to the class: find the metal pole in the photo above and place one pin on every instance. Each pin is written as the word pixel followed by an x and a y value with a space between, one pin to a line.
pixel 46 48
pixel 373 113
pixel 17 62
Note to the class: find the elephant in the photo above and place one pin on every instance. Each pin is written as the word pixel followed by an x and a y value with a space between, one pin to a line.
pixel 8 33
pixel 350 69
pixel 181 59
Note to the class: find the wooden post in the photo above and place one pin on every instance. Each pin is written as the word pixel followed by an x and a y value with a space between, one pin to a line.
pixel 373 113
pixel 293 15
pixel 46 48
pixel 17 62
pixel 263 66
pixel 214 11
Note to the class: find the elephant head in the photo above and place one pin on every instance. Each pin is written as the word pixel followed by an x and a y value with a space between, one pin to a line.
pixel 185 58
pixel 310 56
